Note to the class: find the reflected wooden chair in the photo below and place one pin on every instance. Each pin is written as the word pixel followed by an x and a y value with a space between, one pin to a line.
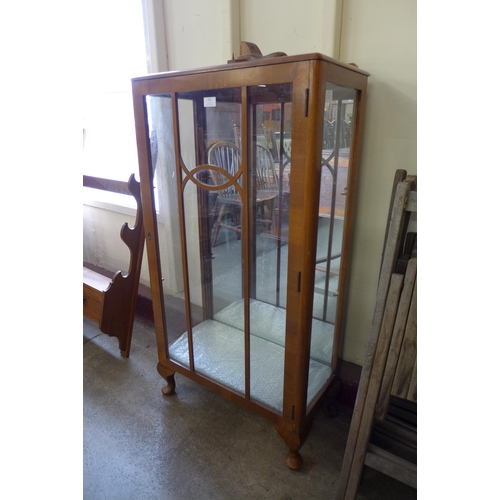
pixel 267 185
pixel 228 204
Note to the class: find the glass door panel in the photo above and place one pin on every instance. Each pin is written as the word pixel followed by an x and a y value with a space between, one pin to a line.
pixel 270 125
pixel 211 226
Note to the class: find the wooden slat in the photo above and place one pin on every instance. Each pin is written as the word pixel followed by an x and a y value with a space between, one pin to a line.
pixel 395 287
pixel 392 444
pixel 404 370
pixel 391 465
pixel 397 338
pixel 397 431
pixel 402 417
pixel 367 397
pixel 112 185
pixel 399 176
pixel 411 203
pixel 402 404
pixel 413 180
pixel 412 391
pixel 409 249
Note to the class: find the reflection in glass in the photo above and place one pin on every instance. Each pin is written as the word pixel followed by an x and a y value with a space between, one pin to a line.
pixel 229 180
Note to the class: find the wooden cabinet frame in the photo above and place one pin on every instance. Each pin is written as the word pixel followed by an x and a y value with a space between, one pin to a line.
pixel 307 77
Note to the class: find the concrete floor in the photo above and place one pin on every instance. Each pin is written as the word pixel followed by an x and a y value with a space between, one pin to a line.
pixel 139 444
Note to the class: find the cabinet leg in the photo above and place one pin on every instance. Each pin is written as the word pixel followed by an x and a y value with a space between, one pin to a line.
pixel 169 389
pixel 294 442
pixel 168 375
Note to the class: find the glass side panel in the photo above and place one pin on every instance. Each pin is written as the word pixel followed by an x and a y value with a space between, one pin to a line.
pixel 338 123
pixel 337 126
pixel 162 144
pixel 270 126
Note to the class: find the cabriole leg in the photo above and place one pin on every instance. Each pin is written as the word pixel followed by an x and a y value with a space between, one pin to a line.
pixel 169 389
pixel 168 375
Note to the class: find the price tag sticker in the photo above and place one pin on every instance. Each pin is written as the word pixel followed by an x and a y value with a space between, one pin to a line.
pixel 209 102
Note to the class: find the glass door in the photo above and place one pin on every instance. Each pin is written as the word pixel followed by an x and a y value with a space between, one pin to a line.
pixel 222 167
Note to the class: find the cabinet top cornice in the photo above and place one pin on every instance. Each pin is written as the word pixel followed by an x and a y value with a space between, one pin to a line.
pixel 266 61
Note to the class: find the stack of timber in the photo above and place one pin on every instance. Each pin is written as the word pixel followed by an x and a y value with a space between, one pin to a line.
pixel 383 432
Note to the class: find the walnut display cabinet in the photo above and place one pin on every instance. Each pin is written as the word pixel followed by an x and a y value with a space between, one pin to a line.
pixel 248 176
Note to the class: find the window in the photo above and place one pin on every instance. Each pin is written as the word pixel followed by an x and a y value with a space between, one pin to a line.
pixel 114 52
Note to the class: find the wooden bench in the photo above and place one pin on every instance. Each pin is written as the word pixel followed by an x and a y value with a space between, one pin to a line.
pixel 383 432
pixel 111 302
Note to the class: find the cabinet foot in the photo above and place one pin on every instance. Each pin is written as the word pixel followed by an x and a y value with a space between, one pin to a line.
pixel 169 389
pixel 168 375
pixel 294 460
pixel 294 441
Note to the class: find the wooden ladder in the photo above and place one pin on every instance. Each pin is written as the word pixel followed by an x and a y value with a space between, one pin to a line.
pixel 383 427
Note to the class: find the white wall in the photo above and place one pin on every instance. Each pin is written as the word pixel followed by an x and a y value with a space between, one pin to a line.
pixel 201 32
pixel 293 26
pixel 103 246
pixel 380 37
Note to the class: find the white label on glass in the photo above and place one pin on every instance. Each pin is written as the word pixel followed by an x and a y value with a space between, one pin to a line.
pixel 209 102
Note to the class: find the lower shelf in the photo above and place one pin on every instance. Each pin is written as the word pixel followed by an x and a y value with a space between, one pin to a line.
pixel 219 353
